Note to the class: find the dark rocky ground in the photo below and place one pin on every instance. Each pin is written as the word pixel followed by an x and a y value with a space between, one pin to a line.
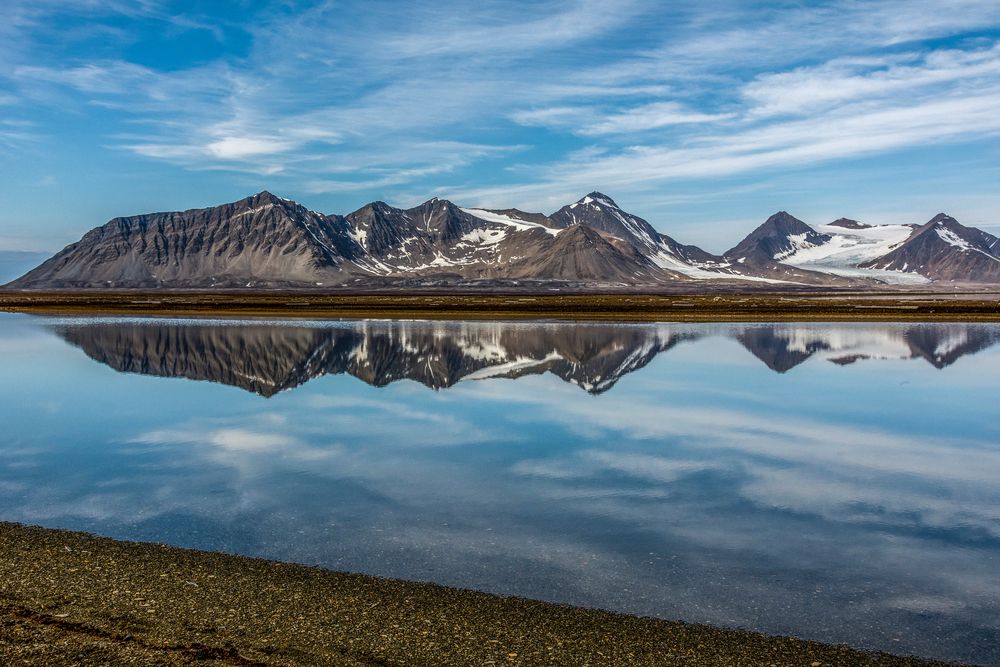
pixel 716 305
pixel 75 599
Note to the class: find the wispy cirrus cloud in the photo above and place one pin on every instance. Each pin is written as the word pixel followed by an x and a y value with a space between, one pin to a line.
pixel 889 79
pixel 841 109
pixel 503 103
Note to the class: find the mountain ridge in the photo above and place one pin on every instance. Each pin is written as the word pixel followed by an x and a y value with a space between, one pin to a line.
pixel 266 241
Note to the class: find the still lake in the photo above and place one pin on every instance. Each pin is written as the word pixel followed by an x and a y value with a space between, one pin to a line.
pixel 839 482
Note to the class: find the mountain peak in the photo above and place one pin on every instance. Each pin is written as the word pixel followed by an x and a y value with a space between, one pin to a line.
pixel 777 237
pixel 848 223
pixel 266 196
pixel 942 219
pixel 945 249
pixel 597 198
pixel 600 211
pixel 434 202
pixel 785 219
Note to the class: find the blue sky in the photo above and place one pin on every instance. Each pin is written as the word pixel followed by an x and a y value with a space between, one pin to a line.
pixel 703 121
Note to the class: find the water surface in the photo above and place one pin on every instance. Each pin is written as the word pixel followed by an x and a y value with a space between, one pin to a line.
pixel 839 482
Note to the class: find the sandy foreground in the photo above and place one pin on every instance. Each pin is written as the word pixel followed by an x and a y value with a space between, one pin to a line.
pixel 70 598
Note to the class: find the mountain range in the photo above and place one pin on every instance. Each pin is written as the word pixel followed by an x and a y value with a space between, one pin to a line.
pixel 265 241
pixel 266 359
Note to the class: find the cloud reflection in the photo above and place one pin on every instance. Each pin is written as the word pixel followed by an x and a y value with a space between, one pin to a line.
pixel 830 502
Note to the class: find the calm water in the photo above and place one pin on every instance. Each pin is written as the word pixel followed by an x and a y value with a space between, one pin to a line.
pixel 832 481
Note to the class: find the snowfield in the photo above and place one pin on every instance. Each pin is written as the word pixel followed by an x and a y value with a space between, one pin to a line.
pixel 848 248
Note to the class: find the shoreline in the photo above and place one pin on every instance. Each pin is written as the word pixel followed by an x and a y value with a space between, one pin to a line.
pixel 74 598
pixel 595 306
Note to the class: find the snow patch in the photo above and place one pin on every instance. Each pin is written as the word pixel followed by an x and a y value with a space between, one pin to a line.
pixel 251 211
pixel 953 239
pixel 520 225
pixel 798 243
pixel 667 260
pixel 360 236
pixel 485 236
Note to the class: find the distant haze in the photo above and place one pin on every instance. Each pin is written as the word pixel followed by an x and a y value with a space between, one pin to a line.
pixel 14 264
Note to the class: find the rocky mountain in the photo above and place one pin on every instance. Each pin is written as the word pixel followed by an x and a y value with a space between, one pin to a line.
pixel 268 359
pixel 939 250
pixel 598 211
pixel 260 240
pixel 779 236
pixel 765 251
pixel 265 241
pixel 942 249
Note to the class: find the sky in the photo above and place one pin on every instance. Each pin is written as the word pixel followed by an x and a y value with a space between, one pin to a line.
pixel 703 118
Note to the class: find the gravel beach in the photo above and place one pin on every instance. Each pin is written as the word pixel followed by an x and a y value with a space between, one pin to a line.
pixel 73 598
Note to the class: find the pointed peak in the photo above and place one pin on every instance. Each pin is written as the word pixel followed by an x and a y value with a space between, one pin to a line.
pixel 264 198
pixel 264 195
pixel 786 222
pixel 598 198
pixel 782 216
pixel 433 201
pixel 942 219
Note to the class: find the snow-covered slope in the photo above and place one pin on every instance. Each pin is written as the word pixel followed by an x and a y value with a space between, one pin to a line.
pixel 846 248
pixel 945 250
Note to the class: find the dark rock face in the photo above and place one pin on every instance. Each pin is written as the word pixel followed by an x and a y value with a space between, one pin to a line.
pixel 774 238
pixel 260 240
pixel 943 249
pixel 581 252
pixel 380 228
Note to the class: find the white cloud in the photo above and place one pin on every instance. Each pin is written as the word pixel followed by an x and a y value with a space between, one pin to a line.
pixel 849 80
pixel 849 132
pixel 236 148
pixel 326 100
pixel 514 31
pixel 108 78
pixel 649 117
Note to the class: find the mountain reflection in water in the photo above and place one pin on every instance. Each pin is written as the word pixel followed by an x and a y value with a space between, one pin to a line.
pixel 269 358
pixel 844 490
